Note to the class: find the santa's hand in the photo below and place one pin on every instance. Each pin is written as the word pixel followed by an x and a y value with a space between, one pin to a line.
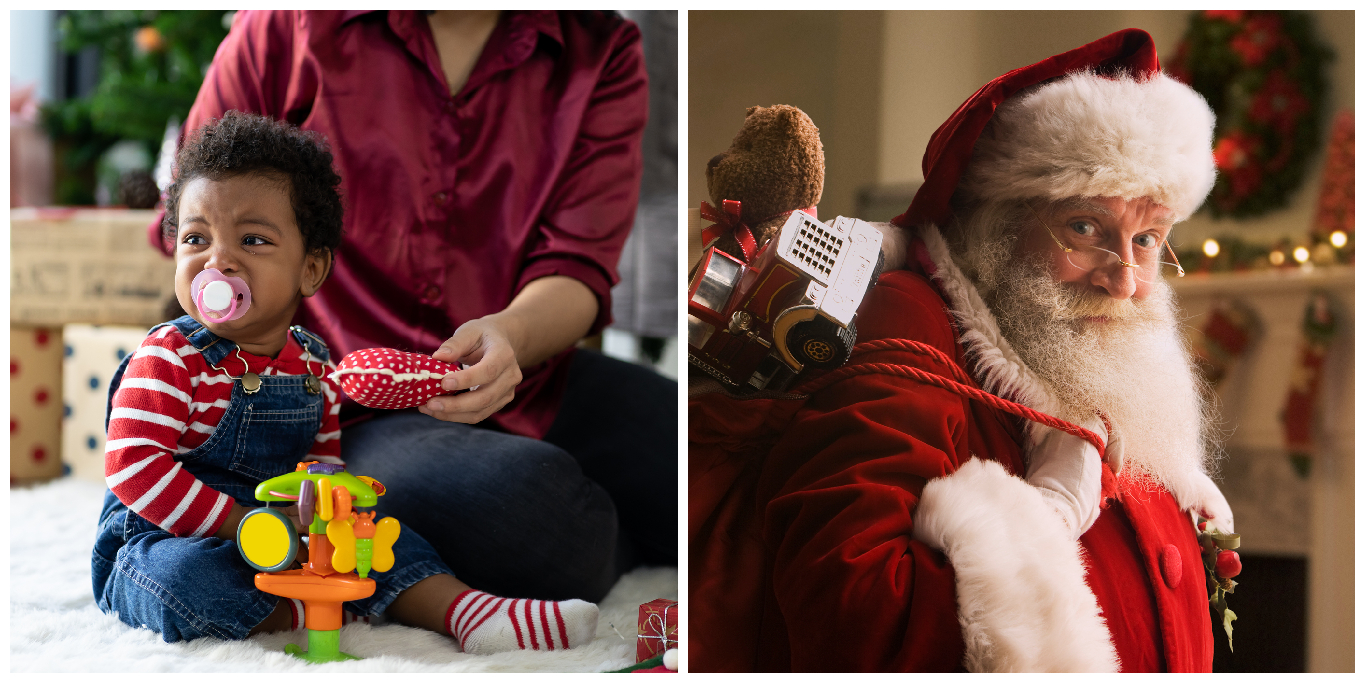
pixel 894 246
pixel 1068 473
pixel 491 375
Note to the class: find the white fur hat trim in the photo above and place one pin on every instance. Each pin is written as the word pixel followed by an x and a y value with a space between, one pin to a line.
pixel 1090 135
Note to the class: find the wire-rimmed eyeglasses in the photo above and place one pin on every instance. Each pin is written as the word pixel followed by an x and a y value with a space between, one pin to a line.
pixel 1147 264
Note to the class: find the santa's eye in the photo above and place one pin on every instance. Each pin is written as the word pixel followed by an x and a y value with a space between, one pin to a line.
pixel 1146 241
pixel 1083 228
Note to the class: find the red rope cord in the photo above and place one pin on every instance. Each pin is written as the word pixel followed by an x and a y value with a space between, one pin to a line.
pixel 958 387
pixel 914 347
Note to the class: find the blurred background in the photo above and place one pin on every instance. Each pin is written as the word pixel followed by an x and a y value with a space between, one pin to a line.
pixel 1270 295
pixel 96 101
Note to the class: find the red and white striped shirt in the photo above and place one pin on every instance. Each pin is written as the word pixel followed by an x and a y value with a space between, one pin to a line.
pixel 169 402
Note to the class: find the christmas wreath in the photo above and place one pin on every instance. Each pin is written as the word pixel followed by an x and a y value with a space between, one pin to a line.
pixel 1263 74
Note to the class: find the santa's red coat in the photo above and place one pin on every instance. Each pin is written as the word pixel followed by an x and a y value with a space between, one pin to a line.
pixel 805 555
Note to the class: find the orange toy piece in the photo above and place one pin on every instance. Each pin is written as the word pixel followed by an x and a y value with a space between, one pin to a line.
pixel 321 594
pixel 364 525
pixel 340 503
pixel 319 555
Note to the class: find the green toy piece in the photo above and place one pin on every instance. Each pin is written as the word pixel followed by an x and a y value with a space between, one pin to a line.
pixel 324 646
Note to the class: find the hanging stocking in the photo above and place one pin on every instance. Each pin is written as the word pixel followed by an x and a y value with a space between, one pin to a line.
pixel 1223 339
pixel 1299 415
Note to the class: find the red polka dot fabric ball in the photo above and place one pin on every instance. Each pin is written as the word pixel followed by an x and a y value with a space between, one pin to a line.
pixel 388 379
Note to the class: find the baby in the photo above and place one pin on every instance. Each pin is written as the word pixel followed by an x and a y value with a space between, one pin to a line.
pixel 221 399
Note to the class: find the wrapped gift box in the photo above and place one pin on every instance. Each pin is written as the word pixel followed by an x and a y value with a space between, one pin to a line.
pixel 35 403
pixel 657 628
pixel 93 354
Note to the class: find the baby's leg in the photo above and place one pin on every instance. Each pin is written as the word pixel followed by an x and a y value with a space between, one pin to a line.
pixel 185 588
pixel 420 591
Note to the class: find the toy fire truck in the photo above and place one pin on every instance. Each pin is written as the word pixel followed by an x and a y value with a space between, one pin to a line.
pixel 756 326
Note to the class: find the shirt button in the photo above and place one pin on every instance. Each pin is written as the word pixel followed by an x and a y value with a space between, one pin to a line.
pixel 439 198
pixel 432 292
pixel 450 106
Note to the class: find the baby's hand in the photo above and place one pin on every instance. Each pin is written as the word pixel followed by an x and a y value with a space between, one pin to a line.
pixel 292 512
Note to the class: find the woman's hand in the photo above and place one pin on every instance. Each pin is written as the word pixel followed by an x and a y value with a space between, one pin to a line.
pixel 492 373
pixel 549 315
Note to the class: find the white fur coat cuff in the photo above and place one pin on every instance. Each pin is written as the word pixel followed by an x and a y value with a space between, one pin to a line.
pixel 1022 599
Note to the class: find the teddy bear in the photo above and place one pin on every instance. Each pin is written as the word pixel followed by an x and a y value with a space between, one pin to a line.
pixel 775 165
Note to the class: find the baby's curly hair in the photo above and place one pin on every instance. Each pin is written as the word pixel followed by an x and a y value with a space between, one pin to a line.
pixel 241 144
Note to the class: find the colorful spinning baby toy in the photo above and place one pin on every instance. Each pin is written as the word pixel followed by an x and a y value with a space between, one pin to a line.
pixel 341 543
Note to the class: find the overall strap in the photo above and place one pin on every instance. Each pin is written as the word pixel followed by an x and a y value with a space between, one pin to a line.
pixel 213 347
pixel 311 343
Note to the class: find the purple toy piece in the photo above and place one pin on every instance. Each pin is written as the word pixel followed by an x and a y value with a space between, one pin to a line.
pixel 324 468
pixel 307 496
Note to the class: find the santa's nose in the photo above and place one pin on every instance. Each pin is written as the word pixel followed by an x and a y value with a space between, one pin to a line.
pixel 1116 278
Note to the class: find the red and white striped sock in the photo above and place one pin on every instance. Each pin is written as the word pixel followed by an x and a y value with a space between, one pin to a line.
pixel 297 613
pixel 299 616
pixel 484 624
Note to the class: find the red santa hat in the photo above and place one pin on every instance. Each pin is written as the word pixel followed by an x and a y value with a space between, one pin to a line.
pixel 1099 120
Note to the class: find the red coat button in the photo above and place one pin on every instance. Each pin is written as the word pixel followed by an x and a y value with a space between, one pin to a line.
pixel 1171 566
pixel 432 292
pixel 439 198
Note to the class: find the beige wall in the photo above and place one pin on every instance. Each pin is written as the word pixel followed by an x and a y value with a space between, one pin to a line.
pixel 826 63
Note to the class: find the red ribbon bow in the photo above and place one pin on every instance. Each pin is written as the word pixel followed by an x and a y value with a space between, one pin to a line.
pixel 728 221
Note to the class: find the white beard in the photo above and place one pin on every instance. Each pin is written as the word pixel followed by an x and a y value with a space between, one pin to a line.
pixel 1134 368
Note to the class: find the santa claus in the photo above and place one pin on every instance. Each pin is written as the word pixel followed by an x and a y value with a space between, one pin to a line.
pixel 873 520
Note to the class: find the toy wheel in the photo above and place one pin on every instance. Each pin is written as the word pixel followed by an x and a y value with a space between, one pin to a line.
pixel 267 540
pixel 821 343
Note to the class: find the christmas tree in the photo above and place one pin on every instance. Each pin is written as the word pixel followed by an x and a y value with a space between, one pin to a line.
pixel 151 64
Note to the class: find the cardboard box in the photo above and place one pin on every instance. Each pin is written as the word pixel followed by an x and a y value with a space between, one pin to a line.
pixel 35 403
pixel 93 354
pixel 90 266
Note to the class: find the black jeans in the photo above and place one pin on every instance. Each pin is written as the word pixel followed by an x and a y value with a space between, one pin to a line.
pixel 560 518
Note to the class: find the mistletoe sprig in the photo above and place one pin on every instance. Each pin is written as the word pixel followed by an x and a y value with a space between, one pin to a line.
pixel 1222 563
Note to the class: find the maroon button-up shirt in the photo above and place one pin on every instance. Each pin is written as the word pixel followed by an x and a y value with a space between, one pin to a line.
pixel 453 204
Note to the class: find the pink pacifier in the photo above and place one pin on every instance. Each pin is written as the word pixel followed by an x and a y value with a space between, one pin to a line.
pixel 220 298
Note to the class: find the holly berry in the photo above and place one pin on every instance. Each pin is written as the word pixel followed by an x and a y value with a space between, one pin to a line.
pixel 1228 564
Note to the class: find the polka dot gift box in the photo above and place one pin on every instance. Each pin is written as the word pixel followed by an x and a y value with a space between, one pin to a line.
pixel 35 403
pixel 388 379
pixel 92 355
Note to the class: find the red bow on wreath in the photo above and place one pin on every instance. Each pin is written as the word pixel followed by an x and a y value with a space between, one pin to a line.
pixel 729 221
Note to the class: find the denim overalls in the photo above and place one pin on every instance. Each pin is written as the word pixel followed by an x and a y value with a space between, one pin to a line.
pixel 186 588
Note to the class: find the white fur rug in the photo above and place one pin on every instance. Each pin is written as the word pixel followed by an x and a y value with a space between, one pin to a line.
pixel 56 627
